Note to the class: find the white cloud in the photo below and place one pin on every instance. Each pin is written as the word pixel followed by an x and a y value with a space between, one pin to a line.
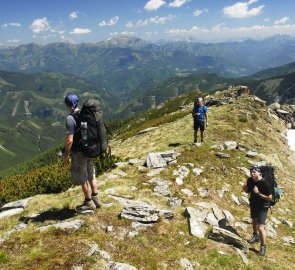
pixel 124 33
pixel 151 34
pixel 266 19
pixel 178 3
pixel 15 24
pixel 283 20
pixel 221 32
pixel 40 25
pixel 80 31
pixel 111 22
pixel 241 10
pixel 13 41
pixel 74 15
pixel 152 20
pixel 154 4
pixel 198 12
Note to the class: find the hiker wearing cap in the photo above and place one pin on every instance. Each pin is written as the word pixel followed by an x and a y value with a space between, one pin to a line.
pixel 200 115
pixel 82 169
pixel 260 197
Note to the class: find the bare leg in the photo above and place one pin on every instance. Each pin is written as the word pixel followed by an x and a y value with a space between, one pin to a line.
pixel 202 136
pixel 93 185
pixel 196 136
pixel 86 189
pixel 254 225
pixel 262 234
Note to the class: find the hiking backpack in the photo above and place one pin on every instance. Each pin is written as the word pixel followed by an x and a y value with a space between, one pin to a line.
pixel 268 175
pixel 90 135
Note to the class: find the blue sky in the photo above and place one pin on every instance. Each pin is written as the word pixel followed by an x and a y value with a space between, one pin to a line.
pixel 76 21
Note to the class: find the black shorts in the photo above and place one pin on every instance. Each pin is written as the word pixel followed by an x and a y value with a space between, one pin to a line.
pixel 259 213
pixel 198 124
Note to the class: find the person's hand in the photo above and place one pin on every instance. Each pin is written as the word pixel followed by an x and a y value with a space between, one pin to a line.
pixel 206 124
pixel 255 190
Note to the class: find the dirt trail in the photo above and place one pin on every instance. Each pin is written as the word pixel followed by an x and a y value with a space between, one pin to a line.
pixel 14 111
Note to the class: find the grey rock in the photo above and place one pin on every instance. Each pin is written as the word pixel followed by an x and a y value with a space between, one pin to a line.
pixel 16 204
pixel 244 200
pixel 211 219
pixel 143 212
pixel 182 172
pixel 112 176
pixel 251 154
pixel 288 223
pixel 92 250
pixel 283 112
pixel 288 240
pixel 196 218
pixel 222 155
pixel 270 230
pixel 243 226
pixel 67 225
pixel 154 172
pixel 121 173
pixel 218 213
pixel 120 266
pixel 186 264
pixel 245 171
pixel 162 191
pixel 146 130
pixel 179 181
pixel 135 161
pixel 275 106
pixel 109 229
pixel 110 191
pixel 231 145
pixel 19 227
pixel 206 205
pixel 243 256
pixel 159 182
pixel 260 101
pixel 218 146
pixel 77 268
pixel 187 192
pixel 204 193
pixel 11 212
pixel 227 237
pixel 247 220
pixel 229 217
pixel 121 164
pixel 197 171
pixel 189 164
pixel 174 202
pixel 155 160
pixel 105 255
pixel 275 221
pixel 133 188
pixel 235 199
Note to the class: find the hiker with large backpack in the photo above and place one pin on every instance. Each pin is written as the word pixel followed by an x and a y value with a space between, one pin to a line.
pixel 86 139
pixel 260 201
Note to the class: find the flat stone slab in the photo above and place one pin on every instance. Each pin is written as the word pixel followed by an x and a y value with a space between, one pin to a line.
pixel 17 204
pixel 231 145
pixel 155 160
pixel 196 218
pixel 227 237
pixel 142 211
pixel 11 212
pixel 120 266
pixel 222 155
pixel 146 130
pixel 67 225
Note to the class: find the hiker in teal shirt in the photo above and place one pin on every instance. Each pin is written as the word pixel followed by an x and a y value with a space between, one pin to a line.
pixel 200 115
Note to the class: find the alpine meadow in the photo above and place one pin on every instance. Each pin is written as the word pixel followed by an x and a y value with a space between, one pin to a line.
pixel 147 135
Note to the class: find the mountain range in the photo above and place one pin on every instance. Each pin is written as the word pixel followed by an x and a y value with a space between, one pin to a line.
pixel 122 64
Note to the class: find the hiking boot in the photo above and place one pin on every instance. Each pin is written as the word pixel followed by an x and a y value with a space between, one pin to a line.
pixel 262 250
pixel 86 206
pixel 96 201
pixel 254 239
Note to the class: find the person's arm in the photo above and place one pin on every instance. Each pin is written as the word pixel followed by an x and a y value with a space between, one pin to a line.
pixel 267 198
pixel 68 145
pixel 206 116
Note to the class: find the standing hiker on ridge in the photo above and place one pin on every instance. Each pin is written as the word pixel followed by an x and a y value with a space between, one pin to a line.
pixel 200 115
pixel 260 198
pixel 82 169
